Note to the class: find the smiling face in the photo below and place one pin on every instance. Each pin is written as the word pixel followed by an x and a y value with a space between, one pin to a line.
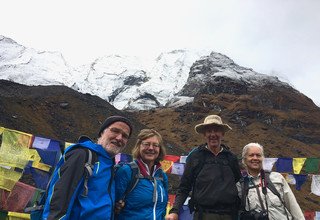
pixel 114 138
pixel 213 135
pixel 149 150
pixel 253 160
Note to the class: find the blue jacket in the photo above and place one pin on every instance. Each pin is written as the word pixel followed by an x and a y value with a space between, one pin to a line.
pixel 139 204
pixel 65 199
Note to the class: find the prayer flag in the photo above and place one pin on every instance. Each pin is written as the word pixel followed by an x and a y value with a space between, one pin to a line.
pixel 297 164
pixel 268 163
pixel 284 165
pixel 290 179
pixel 172 158
pixel 184 213
pixel 309 215
pixel 122 157
pixel 300 180
pixel 312 165
pixel 183 159
pixel 315 185
pixel 14 151
pixel 177 168
pixel 317 215
pixel 19 197
pixel 41 143
pixel 166 166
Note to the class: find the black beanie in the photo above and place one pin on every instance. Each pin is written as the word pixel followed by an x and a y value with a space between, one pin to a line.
pixel 113 119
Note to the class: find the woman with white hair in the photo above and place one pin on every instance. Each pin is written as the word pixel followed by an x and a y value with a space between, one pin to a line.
pixel 265 195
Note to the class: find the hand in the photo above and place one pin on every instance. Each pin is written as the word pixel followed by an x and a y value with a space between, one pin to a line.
pixel 172 216
pixel 119 206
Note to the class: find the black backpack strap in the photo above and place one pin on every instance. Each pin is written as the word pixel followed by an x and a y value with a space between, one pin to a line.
pixel 244 182
pixel 273 189
pixel 135 175
pixel 88 170
pixel 271 186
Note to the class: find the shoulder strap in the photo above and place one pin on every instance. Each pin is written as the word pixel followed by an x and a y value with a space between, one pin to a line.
pixel 88 171
pixel 135 175
pixel 271 186
pixel 244 181
pixel 199 166
pixel 275 191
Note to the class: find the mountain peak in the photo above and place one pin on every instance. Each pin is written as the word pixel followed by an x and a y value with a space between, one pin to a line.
pixel 128 82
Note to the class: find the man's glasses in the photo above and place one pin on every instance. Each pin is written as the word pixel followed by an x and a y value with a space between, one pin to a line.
pixel 148 144
pixel 118 131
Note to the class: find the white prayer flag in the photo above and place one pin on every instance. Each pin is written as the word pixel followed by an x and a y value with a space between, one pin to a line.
pixel 268 163
pixel 315 185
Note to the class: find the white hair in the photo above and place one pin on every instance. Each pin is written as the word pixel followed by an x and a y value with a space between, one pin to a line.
pixel 247 147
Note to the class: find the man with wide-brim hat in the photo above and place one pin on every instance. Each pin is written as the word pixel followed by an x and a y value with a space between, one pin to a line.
pixel 211 173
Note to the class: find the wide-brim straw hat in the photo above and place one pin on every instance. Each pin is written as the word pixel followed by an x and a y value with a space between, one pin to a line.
pixel 211 120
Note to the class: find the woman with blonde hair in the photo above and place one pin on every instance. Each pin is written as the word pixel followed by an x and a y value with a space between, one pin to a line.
pixel 265 195
pixel 148 199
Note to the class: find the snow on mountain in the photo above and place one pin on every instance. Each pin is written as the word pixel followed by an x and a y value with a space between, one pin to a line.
pixel 31 67
pixel 212 70
pixel 172 79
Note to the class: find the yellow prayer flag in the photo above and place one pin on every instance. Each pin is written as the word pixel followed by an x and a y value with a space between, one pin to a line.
pixel 168 208
pixel 41 166
pixel 297 164
pixel 18 215
pixel 34 155
pixel 166 165
pixel 6 183
pixel 10 173
pixel 14 151
pixel 13 140
pixel 12 160
pixel 1 130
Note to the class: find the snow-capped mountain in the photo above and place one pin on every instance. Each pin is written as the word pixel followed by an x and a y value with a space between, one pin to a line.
pixel 172 79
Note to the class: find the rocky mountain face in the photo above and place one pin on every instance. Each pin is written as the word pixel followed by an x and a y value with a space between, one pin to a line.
pixel 171 96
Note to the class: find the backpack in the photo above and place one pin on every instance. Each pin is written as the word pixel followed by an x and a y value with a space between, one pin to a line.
pixel 135 177
pixel 37 210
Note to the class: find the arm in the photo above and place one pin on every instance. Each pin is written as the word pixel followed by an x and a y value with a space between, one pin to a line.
pixel 184 188
pixel 291 202
pixel 70 175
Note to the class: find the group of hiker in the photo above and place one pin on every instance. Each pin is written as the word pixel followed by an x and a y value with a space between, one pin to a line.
pixel 85 184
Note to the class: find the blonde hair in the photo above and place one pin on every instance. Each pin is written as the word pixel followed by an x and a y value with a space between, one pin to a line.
pixel 247 147
pixel 145 134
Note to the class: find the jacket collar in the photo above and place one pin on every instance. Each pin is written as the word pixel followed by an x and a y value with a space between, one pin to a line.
pixel 144 169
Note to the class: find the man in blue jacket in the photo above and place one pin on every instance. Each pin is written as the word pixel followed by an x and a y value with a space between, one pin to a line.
pixel 70 195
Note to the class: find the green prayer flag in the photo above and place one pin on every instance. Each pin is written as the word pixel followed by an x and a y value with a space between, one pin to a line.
pixel 312 165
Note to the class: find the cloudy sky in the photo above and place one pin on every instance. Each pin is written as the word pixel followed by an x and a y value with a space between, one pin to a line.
pixel 278 37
